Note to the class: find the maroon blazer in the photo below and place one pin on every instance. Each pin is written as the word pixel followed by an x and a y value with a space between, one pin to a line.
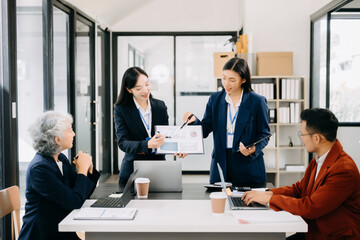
pixel 331 204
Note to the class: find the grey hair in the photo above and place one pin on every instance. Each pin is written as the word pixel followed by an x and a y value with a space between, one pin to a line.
pixel 46 127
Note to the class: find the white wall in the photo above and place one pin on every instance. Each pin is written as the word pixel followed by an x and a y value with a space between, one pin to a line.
pixel 165 15
pixel 184 15
pixel 280 25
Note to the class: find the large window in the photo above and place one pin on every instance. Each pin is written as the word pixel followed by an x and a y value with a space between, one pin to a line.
pixel 335 60
pixel 345 66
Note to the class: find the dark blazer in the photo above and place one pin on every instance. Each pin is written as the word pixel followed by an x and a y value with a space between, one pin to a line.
pixel 131 134
pixel 51 196
pixel 252 124
pixel 330 204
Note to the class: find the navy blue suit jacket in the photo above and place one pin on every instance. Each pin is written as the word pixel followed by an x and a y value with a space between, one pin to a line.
pixel 51 196
pixel 252 124
pixel 131 134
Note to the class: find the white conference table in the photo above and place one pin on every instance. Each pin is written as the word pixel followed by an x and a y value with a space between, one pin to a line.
pixel 179 219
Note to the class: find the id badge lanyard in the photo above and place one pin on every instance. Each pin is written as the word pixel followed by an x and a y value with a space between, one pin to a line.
pixel 147 125
pixel 230 131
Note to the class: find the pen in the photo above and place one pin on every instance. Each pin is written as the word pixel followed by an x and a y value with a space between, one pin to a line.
pixel 186 121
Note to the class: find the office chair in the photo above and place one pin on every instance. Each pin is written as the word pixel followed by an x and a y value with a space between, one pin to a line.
pixel 10 203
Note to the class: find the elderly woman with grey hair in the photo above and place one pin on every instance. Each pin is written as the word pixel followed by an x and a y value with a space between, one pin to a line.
pixel 53 187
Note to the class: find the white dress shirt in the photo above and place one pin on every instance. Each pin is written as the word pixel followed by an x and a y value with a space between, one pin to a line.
pixel 233 109
pixel 60 165
pixel 146 116
pixel 320 161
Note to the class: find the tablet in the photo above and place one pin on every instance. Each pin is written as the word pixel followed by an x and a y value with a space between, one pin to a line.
pixel 262 139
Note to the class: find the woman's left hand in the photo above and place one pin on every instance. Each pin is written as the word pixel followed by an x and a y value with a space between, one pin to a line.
pixel 181 155
pixel 246 151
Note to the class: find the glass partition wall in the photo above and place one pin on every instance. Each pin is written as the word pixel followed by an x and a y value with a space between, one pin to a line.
pixel 29 79
pixel 83 87
pixel 70 62
pixel 61 59
pixel 180 69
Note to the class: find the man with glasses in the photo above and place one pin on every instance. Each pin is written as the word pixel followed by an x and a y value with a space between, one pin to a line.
pixel 328 196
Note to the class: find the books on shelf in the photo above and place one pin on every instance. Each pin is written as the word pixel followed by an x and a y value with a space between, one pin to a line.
pixel 291 88
pixel 272 141
pixel 264 89
pixel 290 113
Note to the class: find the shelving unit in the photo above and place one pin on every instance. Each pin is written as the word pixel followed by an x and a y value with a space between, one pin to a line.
pixel 285 164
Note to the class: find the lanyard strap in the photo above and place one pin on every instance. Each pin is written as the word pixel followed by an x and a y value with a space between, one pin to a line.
pixel 232 119
pixel 146 124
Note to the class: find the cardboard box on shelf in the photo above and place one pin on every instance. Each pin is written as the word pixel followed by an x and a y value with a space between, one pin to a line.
pixel 274 63
pixel 220 58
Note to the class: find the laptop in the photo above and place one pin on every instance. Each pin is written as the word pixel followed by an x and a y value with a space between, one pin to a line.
pixel 111 202
pixel 235 202
pixel 165 176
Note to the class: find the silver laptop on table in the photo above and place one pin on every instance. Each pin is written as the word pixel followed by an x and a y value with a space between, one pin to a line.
pixel 235 202
pixel 111 202
pixel 165 176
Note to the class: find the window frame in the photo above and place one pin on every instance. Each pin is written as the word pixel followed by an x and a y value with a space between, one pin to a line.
pixel 327 10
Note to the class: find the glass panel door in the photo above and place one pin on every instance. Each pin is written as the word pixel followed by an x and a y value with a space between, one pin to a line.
pixel 103 105
pixel 195 82
pixel 29 79
pixel 83 89
pixel 61 57
pixel 155 54
pixel 61 61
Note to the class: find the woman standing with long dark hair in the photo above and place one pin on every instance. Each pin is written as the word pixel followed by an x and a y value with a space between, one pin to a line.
pixel 237 117
pixel 136 114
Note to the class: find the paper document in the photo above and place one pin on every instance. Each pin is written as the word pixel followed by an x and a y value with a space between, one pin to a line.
pixel 264 216
pixel 106 214
pixel 189 139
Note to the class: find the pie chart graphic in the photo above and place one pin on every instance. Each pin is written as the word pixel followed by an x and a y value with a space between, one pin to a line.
pixel 193 134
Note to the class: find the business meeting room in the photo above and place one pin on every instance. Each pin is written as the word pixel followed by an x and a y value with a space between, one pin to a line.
pixel 158 119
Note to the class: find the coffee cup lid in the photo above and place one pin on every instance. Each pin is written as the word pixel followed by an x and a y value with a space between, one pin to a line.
pixel 142 180
pixel 219 195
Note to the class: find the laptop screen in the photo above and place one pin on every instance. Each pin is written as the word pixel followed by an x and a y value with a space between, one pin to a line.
pixel 130 181
pixel 222 178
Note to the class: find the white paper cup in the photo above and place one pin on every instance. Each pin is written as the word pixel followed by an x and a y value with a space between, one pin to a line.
pixel 142 187
pixel 218 200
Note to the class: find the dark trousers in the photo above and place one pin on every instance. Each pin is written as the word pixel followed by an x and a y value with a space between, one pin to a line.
pixel 229 166
pixel 296 236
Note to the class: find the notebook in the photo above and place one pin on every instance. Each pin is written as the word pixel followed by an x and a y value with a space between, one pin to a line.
pixel 111 202
pixel 165 176
pixel 235 202
pixel 106 214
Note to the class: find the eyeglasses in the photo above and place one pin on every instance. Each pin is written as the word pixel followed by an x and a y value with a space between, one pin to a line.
pixel 304 134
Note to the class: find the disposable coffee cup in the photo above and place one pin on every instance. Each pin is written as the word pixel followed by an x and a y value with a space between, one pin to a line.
pixel 142 187
pixel 218 200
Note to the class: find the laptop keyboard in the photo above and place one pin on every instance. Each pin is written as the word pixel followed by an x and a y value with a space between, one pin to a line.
pixel 109 202
pixel 237 202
